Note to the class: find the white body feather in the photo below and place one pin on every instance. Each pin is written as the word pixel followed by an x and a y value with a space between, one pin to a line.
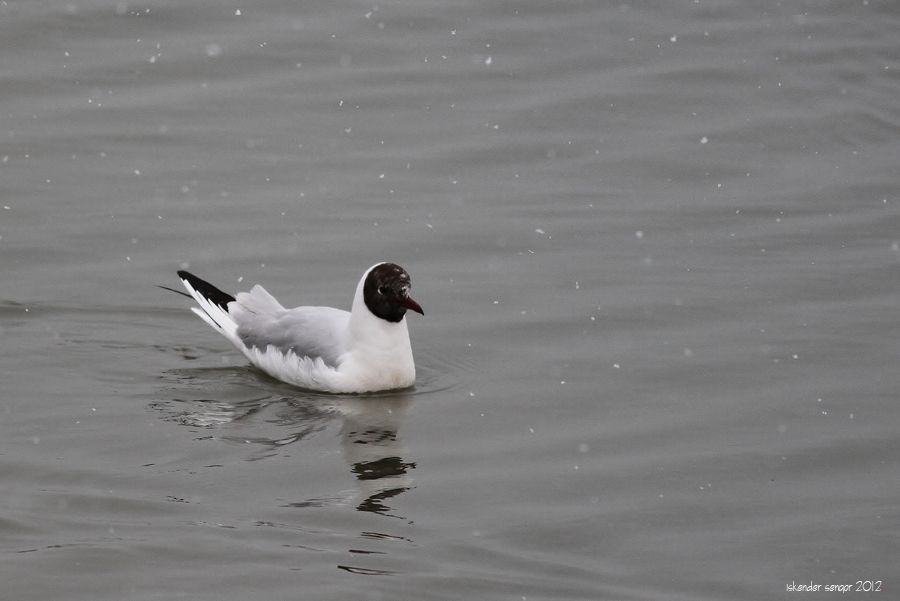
pixel 349 351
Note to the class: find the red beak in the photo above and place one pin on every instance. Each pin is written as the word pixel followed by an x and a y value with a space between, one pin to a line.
pixel 412 305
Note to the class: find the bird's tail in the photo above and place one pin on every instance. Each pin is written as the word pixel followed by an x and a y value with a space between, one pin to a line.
pixel 213 303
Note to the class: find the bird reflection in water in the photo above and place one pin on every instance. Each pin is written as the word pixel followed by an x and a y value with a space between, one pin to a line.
pixel 373 451
pixel 369 436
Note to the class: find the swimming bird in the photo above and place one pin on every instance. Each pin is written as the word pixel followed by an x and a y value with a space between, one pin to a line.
pixel 320 348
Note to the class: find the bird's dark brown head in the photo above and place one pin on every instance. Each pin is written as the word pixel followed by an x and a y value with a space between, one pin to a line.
pixel 386 292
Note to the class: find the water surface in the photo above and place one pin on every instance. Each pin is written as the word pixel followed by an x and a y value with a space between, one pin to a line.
pixel 657 246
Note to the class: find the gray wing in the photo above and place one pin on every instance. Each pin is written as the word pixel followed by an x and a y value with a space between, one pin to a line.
pixel 315 332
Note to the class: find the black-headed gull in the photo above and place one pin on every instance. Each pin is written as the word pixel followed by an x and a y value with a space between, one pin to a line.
pixel 320 348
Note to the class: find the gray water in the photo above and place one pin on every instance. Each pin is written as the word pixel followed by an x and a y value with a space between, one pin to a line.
pixel 658 249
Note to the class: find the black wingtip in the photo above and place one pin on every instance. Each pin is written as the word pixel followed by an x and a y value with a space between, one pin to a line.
pixel 210 292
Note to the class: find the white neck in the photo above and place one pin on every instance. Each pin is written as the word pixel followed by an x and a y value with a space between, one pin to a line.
pixel 380 355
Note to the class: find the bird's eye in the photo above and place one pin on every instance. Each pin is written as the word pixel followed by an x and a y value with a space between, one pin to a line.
pixel 383 290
